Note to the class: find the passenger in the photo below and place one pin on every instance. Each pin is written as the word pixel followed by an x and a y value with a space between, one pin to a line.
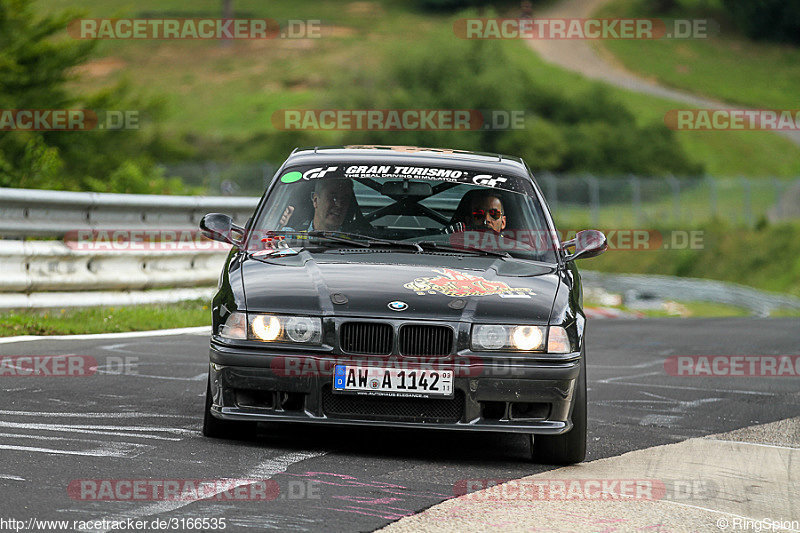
pixel 487 213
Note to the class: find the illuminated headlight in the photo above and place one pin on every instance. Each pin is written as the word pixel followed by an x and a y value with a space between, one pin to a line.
pixel 503 338
pixel 234 327
pixel 293 329
pixel 491 337
pixel 527 338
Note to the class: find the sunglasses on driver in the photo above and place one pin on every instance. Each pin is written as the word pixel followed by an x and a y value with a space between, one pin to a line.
pixel 480 214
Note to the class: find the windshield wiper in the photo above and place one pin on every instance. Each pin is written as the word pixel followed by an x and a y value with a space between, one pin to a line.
pixel 468 249
pixel 353 239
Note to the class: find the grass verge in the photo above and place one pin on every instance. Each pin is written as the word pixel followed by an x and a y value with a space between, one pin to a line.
pixel 767 257
pixel 212 92
pixel 672 309
pixel 104 319
pixel 755 154
pixel 727 66
pixel 196 313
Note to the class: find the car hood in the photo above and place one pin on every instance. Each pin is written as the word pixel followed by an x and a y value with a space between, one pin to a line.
pixel 432 286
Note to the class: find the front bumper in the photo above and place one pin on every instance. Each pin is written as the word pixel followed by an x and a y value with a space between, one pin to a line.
pixel 490 394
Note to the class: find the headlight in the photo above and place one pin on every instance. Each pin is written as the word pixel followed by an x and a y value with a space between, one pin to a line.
pixel 527 338
pixel 293 329
pixel 492 337
pixel 489 337
pixel 266 328
pixel 234 327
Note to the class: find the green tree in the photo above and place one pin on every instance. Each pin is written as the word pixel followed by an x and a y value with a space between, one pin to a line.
pixel 769 20
pixel 37 60
pixel 34 68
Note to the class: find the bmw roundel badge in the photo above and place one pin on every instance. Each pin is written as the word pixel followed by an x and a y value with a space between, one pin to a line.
pixel 397 305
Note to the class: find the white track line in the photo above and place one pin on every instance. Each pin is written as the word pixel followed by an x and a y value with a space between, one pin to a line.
pixel 86 453
pixel 124 414
pixel 199 330
pixel 264 470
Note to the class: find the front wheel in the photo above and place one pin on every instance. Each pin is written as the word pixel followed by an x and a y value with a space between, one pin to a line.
pixel 570 447
pixel 215 428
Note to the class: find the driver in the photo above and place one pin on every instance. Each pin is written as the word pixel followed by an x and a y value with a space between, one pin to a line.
pixel 332 200
pixel 486 212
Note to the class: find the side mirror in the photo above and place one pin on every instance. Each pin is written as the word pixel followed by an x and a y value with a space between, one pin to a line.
pixel 220 227
pixel 588 243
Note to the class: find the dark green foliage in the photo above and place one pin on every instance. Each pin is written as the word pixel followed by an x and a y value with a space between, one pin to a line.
pixel 36 62
pixel 769 20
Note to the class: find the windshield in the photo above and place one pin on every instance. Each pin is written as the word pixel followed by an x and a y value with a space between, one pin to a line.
pixel 435 207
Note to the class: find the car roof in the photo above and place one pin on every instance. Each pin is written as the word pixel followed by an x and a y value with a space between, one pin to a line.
pixel 497 163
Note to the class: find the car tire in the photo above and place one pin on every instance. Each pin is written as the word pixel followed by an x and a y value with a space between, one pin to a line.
pixel 570 447
pixel 216 428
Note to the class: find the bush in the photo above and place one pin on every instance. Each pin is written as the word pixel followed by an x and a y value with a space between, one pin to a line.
pixel 771 20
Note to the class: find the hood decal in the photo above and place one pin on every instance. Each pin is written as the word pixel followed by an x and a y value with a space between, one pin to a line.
pixel 456 284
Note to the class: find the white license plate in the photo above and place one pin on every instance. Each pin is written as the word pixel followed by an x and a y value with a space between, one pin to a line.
pixel 420 383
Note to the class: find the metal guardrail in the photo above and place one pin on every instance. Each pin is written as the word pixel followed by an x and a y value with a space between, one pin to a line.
pixel 692 289
pixel 31 266
pixel 40 213
pixel 35 266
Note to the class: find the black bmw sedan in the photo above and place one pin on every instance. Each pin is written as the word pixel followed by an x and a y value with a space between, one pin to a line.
pixel 401 286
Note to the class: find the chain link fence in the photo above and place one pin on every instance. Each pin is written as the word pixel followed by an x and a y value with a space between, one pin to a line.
pixel 634 201
pixel 587 200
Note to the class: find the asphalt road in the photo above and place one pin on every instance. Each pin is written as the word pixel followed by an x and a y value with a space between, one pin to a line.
pixel 144 423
